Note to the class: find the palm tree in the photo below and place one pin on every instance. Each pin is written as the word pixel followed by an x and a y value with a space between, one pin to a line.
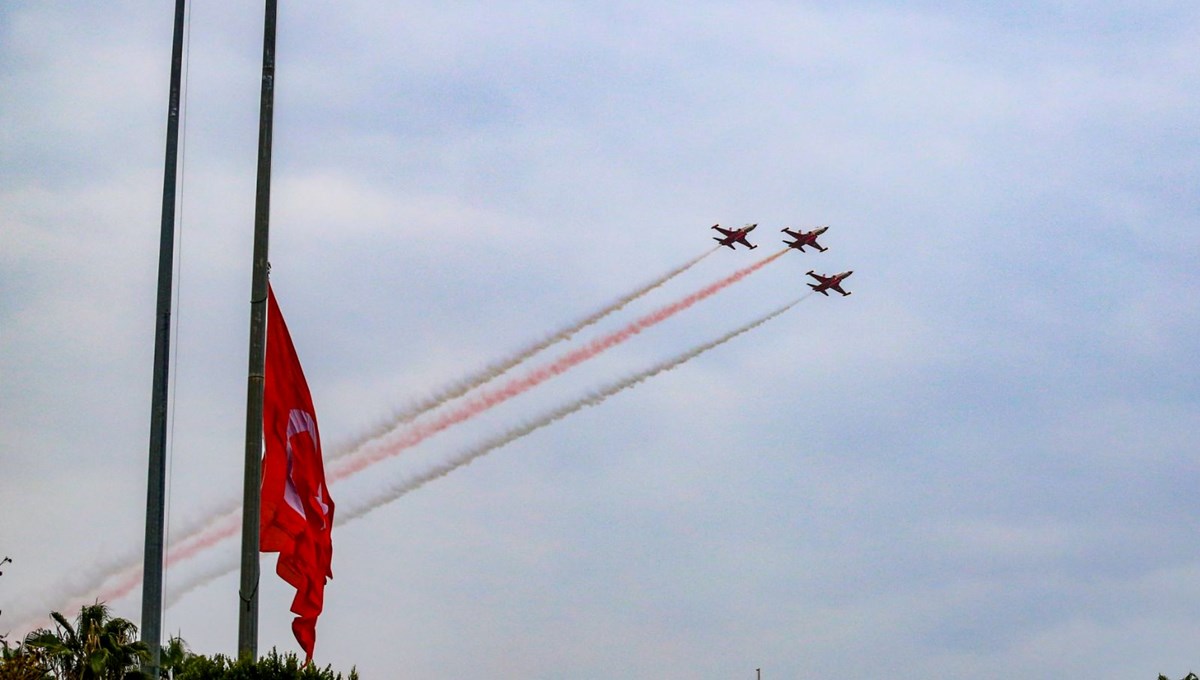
pixel 22 663
pixel 97 647
pixel 173 656
pixel 61 650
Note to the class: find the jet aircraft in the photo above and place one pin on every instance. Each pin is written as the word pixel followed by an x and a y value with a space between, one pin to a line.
pixel 733 236
pixel 805 238
pixel 827 282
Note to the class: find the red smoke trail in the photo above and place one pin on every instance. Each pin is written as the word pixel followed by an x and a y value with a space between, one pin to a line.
pixel 495 370
pixel 358 508
pixel 126 580
pixel 403 486
pixel 487 400
pixel 229 524
pixel 223 527
pixel 217 524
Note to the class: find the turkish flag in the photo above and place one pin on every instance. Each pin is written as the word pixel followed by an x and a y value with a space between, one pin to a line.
pixel 297 512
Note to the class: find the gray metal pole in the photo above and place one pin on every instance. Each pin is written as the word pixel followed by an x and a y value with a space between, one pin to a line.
pixel 248 610
pixel 152 566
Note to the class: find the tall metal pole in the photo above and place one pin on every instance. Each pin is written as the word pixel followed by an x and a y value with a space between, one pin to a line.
pixel 248 610
pixel 152 566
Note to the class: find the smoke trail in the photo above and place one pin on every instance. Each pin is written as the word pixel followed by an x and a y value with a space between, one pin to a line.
pixel 221 528
pixel 227 524
pixel 416 481
pixel 208 527
pixel 516 386
pixel 499 368
pixel 348 513
pixel 33 611
pixel 117 584
pixel 97 581
pixel 116 577
pixel 217 527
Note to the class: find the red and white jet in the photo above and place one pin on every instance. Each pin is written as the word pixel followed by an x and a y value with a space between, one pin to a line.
pixel 735 236
pixel 827 282
pixel 805 238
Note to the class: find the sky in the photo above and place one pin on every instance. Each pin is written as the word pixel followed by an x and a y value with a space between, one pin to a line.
pixel 982 463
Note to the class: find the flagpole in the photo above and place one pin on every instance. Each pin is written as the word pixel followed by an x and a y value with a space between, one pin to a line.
pixel 156 482
pixel 248 594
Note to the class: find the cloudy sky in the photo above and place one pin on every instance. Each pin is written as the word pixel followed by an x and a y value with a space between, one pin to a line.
pixel 983 463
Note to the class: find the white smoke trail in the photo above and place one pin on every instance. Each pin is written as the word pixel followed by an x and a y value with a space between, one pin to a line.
pixel 499 368
pixel 491 397
pixel 110 577
pixel 348 512
pixel 213 525
pixel 32 611
pixel 217 525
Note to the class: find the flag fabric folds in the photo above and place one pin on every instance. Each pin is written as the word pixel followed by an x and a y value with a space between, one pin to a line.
pixel 297 512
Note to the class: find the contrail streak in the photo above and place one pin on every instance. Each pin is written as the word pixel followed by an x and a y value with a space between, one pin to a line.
pixel 35 613
pixel 227 524
pixel 348 513
pixel 119 576
pixel 488 399
pixel 216 527
pixel 219 521
pixel 120 583
pixel 499 368
pixel 551 417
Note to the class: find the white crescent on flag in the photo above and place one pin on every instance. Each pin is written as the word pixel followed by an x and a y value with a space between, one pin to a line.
pixel 299 422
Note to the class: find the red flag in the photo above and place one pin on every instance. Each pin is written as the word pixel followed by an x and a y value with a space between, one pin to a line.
pixel 297 512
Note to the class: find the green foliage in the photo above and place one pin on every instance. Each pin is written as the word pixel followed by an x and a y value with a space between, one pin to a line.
pixel 22 663
pixel 172 657
pixel 270 667
pixel 97 647
pixel 100 647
